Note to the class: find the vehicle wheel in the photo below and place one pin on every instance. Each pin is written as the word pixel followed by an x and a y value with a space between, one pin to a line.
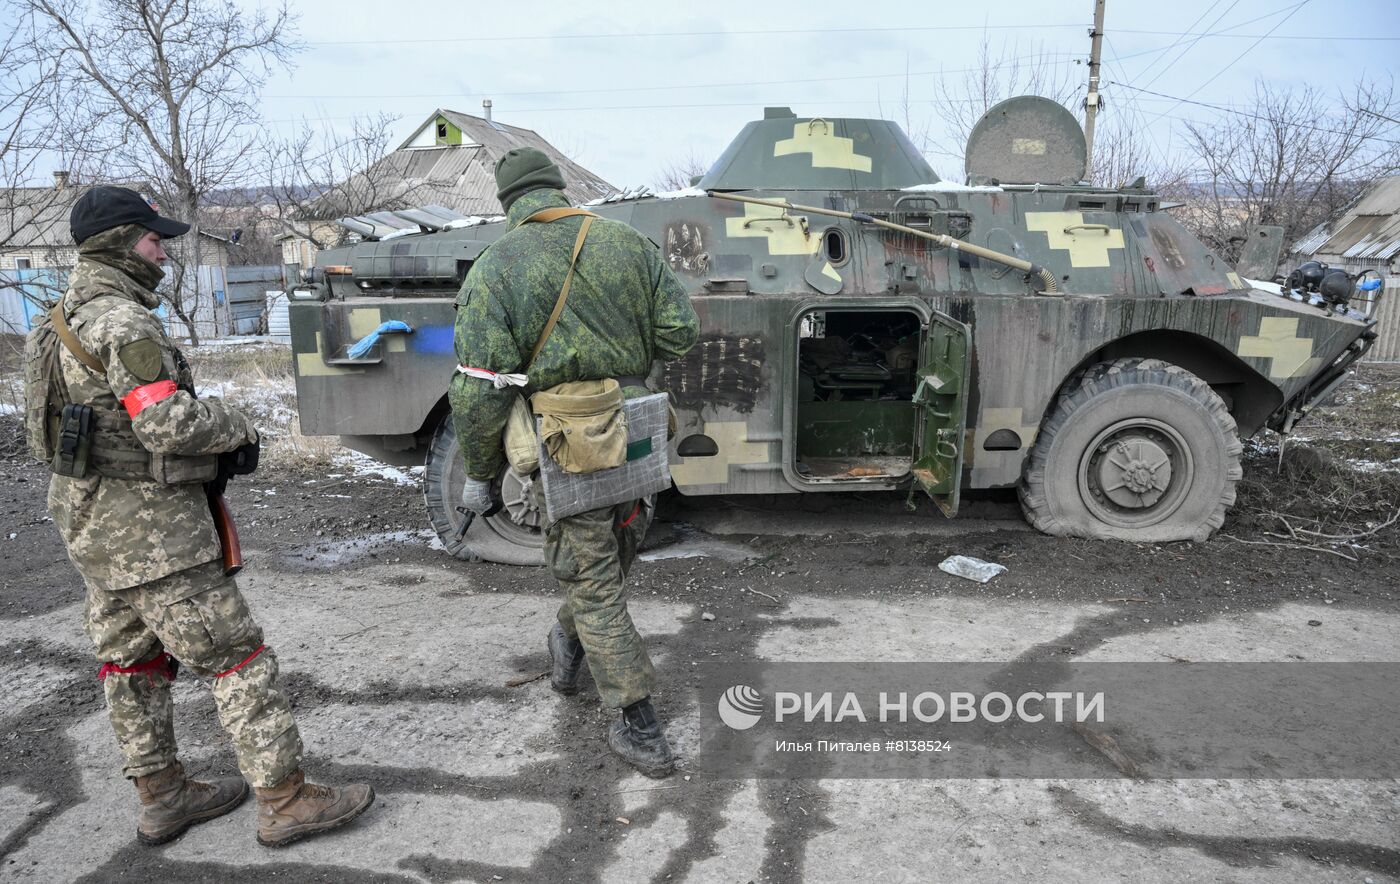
pixel 513 536
pixel 1134 449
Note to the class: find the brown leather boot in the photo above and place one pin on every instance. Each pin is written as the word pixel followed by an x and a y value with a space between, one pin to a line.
pixel 295 809
pixel 171 803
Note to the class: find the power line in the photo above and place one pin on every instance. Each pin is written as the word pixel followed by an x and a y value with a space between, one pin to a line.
pixel 516 38
pixel 1192 45
pixel 1068 56
pixel 1229 110
pixel 1179 40
pixel 1250 48
pixel 617 89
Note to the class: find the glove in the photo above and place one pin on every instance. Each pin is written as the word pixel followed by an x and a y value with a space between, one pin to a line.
pixel 242 460
pixel 478 496
pixel 239 462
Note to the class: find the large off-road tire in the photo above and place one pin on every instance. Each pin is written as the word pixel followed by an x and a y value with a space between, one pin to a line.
pixel 512 536
pixel 1133 449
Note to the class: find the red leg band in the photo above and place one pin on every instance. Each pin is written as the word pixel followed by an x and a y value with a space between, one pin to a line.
pixel 162 663
pixel 246 660
pixel 635 511
pixel 141 398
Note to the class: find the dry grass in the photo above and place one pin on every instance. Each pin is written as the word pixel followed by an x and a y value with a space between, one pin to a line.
pixel 258 379
pixel 1338 477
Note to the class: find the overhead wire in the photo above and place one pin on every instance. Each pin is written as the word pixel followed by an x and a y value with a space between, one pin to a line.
pixel 1250 48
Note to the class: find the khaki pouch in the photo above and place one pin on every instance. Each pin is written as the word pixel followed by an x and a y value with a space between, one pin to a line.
pixel 522 443
pixel 582 425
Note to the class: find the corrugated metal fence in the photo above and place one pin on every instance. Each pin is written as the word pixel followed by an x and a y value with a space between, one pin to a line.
pixel 230 300
pixel 1387 345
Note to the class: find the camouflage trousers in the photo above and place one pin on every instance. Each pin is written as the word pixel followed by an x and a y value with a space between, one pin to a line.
pixel 590 554
pixel 197 616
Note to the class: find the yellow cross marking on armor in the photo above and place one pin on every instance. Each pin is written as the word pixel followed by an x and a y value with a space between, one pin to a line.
pixel 828 151
pixel 310 365
pixel 786 234
pixel 732 437
pixel 1086 247
pixel 828 270
pixel 1289 354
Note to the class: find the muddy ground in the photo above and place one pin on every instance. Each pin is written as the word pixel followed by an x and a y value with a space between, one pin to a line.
pixel 398 661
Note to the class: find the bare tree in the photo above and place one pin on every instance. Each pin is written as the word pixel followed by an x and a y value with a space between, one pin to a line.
pixel 679 172
pixel 1123 154
pixel 1293 157
pixel 315 177
pixel 173 87
pixel 960 102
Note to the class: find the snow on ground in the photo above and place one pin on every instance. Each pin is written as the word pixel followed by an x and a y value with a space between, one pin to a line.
pixel 362 465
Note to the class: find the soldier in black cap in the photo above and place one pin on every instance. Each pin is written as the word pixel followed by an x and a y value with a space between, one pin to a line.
pixel 129 500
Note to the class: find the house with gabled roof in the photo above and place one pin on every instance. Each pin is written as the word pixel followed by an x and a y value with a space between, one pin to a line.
pixel 449 161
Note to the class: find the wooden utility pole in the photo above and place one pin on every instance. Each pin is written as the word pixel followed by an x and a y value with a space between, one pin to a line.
pixel 1091 102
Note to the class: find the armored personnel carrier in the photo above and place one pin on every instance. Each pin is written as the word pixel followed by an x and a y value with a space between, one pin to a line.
pixel 866 326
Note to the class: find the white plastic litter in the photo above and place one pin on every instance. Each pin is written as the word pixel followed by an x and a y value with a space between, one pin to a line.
pixel 970 568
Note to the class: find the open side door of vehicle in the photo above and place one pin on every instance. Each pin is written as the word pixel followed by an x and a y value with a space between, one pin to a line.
pixel 941 403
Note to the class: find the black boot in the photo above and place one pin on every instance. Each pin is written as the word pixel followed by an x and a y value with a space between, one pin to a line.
pixel 637 737
pixel 566 655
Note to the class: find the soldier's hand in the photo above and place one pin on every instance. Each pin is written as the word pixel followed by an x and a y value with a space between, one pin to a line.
pixel 243 460
pixel 478 496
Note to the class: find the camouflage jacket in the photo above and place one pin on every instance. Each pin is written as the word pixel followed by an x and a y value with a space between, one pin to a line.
pixel 625 309
pixel 119 532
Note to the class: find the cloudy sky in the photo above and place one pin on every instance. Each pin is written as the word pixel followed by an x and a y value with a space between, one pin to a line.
pixel 628 87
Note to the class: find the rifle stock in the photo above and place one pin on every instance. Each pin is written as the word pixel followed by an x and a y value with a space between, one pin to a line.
pixel 228 534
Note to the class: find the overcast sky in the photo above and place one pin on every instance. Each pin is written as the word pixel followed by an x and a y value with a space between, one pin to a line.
pixel 614 90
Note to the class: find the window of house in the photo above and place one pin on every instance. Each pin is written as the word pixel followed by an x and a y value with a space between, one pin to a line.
pixel 442 130
pixel 22 264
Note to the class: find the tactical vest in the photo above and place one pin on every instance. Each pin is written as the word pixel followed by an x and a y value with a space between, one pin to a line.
pixel 103 442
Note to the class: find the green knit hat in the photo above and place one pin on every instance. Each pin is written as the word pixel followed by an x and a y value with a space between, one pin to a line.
pixel 525 169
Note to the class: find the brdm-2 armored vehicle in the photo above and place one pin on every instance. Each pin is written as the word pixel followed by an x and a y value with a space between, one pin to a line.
pixel 865 326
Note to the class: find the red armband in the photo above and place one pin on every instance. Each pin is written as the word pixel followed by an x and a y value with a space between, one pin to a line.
pixel 139 399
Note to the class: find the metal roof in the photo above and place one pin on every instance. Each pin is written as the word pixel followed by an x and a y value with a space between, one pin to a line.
pixel 1368 231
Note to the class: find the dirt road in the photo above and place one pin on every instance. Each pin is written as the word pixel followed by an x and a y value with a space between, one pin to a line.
pixel 398 661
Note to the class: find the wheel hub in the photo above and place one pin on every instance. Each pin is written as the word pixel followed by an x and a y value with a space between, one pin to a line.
pixel 1133 471
pixel 1136 472
pixel 518 501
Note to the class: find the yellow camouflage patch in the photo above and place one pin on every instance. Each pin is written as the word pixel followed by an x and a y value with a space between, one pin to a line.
pixel 142 359
pixel 786 234
pixel 829 151
pixel 1088 244
pixel 1279 341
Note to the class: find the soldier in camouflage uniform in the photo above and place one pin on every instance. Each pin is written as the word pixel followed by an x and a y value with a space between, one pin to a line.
pixel 625 308
pixel 138 528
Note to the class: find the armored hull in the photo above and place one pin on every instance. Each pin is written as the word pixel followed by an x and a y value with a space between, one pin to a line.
pixel 868 353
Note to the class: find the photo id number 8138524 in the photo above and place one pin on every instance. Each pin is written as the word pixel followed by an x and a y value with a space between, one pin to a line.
pixel 918 746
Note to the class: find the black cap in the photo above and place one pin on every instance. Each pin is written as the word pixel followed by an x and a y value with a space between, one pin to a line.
pixel 105 207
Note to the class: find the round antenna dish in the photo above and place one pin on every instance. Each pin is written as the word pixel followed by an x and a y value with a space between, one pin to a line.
pixel 1027 140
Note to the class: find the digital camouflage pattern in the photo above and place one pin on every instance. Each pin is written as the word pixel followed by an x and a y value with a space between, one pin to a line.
pixel 123 532
pixel 625 309
pixel 198 616
pixel 590 555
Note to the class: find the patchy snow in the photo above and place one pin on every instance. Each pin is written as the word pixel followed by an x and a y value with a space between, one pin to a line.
pixel 472 221
pixel 1271 287
pixel 364 466
pixel 10 408
pixel 402 231
pixel 952 187
pixel 679 194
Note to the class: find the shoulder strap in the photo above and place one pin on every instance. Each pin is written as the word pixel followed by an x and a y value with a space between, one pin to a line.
pixel 568 279
pixel 70 340
pixel 544 216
